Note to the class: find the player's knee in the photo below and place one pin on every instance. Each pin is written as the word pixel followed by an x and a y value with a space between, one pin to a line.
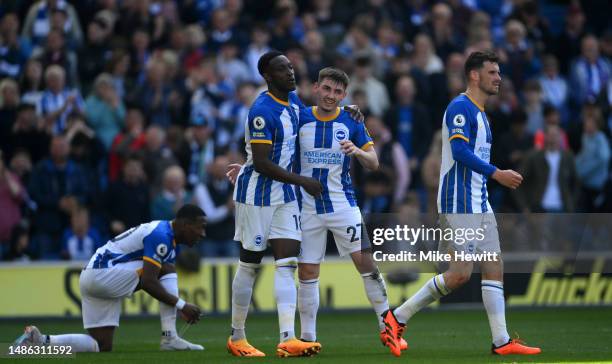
pixel 455 280
pixel 308 271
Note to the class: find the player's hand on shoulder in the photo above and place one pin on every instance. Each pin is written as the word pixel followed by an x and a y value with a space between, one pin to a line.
pixel 232 172
pixel 191 313
pixel 355 113
pixel 312 186
pixel 508 178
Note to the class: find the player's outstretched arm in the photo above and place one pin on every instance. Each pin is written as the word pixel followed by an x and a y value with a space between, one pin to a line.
pixel 367 156
pixel 150 284
pixel 266 167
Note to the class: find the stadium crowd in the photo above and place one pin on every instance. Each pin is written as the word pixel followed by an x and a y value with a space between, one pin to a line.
pixel 116 112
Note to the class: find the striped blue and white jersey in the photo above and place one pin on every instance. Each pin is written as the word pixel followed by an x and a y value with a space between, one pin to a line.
pixel 461 188
pixel 321 157
pixel 152 241
pixel 275 122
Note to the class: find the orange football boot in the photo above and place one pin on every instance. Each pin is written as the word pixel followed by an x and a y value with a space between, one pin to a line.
pixel 515 346
pixel 242 348
pixel 393 332
pixel 295 347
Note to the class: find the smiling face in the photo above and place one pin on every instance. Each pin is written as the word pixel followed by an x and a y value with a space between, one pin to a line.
pixel 280 74
pixel 488 77
pixel 329 94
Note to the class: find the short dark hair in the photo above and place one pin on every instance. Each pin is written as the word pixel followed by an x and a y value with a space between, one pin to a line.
pixel 334 74
pixel 476 60
pixel 189 213
pixel 264 61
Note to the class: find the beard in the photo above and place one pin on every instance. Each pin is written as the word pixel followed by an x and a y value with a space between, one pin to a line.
pixel 491 91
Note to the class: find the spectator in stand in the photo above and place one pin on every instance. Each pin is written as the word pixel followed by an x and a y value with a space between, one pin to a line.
pixel 58 101
pixel 215 197
pixel 222 30
pixel 430 172
pixel 260 38
pixel 555 90
pixel 153 96
pixel 55 52
pixel 173 195
pixel 230 67
pixel 21 165
pixel 128 202
pixel 130 141
pixel 16 50
pixel 38 21
pixel 445 37
pixel 509 152
pixel 157 157
pixel 315 53
pixel 86 149
pixel 233 113
pixel 118 66
pixel 376 93
pixel 409 123
pixel 139 54
pixel 393 161
pixel 12 196
pixel 424 57
pixel 538 32
pixel 568 42
pixel 31 84
pixel 518 59
pixel 19 248
pixel 58 186
pixel 551 117
pixel 9 102
pixel 28 133
pixel 533 106
pixel 202 151
pixel 550 182
pixel 93 57
pixel 590 74
pixel 105 110
pixel 593 161
pixel 194 47
pixel 80 240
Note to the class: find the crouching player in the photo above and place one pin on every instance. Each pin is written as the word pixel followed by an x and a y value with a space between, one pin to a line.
pixel 142 257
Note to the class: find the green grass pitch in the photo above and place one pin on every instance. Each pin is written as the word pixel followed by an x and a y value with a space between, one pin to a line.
pixel 566 335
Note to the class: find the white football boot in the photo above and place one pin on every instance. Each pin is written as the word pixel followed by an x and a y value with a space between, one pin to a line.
pixel 171 343
pixel 31 336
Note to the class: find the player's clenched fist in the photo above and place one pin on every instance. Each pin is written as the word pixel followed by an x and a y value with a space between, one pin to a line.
pixel 191 313
pixel 508 178
pixel 312 186
pixel 348 147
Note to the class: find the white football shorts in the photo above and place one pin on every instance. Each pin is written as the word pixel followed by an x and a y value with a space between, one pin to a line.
pixel 102 291
pixel 483 234
pixel 255 225
pixel 346 226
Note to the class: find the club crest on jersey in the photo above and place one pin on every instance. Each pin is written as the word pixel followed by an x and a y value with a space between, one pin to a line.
pixel 459 120
pixel 258 240
pixel 161 250
pixel 340 135
pixel 259 123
